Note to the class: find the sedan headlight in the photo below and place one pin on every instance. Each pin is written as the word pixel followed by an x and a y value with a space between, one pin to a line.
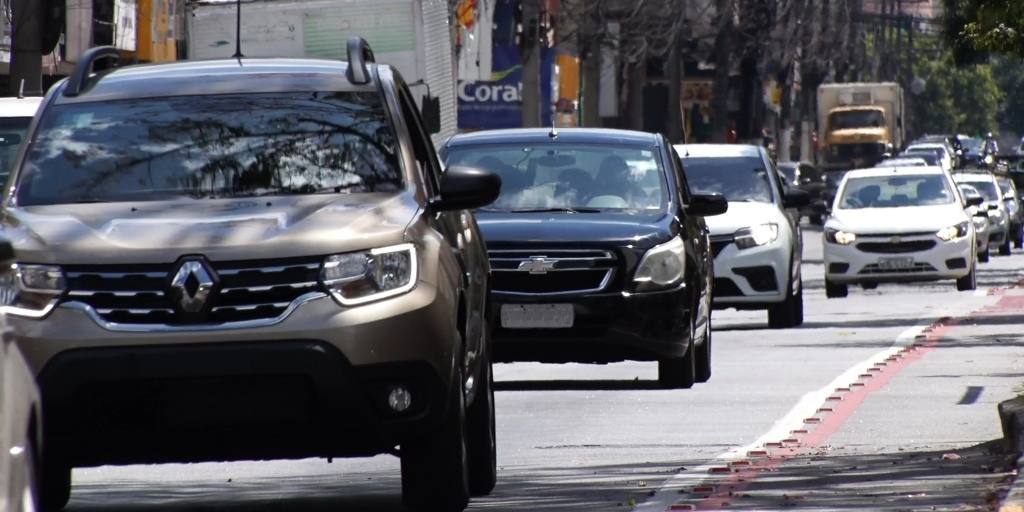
pixel 836 236
pixel 361 277
pixel 30 290
pixel 663 266
pixel 756 236
pixel 980 223
pixel 953 232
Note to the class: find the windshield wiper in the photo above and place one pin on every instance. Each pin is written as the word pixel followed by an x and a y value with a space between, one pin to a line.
pixel 558 210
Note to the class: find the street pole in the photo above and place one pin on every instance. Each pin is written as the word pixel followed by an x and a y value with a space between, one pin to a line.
pixel 531 63
pixel 26 47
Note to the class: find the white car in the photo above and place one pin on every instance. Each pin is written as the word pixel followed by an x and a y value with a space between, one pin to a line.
pixel 998 215
pixel 20 427
pixel 980 218
pixel 757 243
pixel 15 116
pixel 941 150
pixel 898 224
pixel 903 162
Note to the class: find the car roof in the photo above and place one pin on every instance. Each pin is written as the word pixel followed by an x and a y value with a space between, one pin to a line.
pixel 718 150
pixel 222 76
pixel 19 107
pixel 569 135
pixel 895 171
pixel 913 159
pixel 973 176
pixel 926 145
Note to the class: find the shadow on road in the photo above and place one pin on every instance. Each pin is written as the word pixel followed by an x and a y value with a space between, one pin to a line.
pixel 575 385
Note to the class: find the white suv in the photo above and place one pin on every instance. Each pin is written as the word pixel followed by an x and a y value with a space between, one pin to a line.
pixel 757 243
pixel 998 215
pixel 899 224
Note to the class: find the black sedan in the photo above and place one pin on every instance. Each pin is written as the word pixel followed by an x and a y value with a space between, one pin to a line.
pixel 599 253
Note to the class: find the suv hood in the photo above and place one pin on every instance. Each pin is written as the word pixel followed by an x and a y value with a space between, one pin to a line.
pixel 508 229
pixel 222 229
pixel 910 219
pixel 743 215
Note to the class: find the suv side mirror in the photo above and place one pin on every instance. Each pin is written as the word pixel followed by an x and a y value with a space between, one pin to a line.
pixel 1009 197
pixel 465 188
pixel 795 199
pixel 707 205
pixel 974 201
pixel 993 207
pixel 431 114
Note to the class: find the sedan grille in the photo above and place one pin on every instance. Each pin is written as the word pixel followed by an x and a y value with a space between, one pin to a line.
pixel 141 294
pixel 896 247
pixel 916 269
pixel 551 272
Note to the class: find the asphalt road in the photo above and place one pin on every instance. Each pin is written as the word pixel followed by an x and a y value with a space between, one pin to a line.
pixel 918 434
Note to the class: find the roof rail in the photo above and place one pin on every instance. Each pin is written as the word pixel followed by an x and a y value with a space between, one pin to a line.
pixel 80 76
pixel 359 55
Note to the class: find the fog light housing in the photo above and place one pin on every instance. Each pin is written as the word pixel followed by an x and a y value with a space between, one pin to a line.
pixel 399 399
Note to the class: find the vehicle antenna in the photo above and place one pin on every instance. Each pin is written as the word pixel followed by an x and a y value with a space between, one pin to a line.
pixel 21 89
pixel 554 130
pixel 238 30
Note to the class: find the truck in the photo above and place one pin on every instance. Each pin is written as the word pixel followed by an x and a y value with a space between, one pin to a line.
pixel 859 124
pixel 414 36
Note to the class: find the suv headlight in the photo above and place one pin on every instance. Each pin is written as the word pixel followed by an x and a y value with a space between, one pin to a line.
pixel 837 236
pixel 953 232
pixel 756 236
pixel 663 266
pixel 360 277
pixel 30 290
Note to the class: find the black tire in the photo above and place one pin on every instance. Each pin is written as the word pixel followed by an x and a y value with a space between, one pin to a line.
pixel 1018 238
pixel 869 286
pixel 788 313
pixel 970 281
pixel 985 255
pixel 703 353
pixel 54 485
pixel 1004 248
pixel 835 290
pixel 30 492
pixel 435 467
pixel 480 437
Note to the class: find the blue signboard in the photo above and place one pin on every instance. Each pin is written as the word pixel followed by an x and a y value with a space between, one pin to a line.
pixel 498 103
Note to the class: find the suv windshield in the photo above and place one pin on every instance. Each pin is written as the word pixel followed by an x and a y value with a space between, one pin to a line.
pixel 742 178
pixel 211 147
pixel 896 191
pixel 570 176
pixel 12 133
pixel 856 119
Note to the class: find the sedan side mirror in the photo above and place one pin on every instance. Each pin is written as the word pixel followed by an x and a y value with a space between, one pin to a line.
pixel 795 199
pixel 974 201
pixel 465 188
pixel 707 205
pixel 993 207
pixel 1009 197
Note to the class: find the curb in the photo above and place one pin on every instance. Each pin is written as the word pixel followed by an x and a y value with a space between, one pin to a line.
pixel 1011 415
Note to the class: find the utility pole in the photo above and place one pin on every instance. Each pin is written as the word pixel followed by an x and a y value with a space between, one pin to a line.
pixel 723 54
pixel 26 47
pixel 531 63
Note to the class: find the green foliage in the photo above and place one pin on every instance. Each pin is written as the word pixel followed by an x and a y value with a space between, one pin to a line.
pixel 986 25
pixel 956 99
pixel 1009 72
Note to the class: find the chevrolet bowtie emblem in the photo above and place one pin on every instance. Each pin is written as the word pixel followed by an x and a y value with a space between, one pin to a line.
pixel 537 265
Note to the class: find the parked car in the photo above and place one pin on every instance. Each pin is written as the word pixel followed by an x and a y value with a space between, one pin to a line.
pixel 904 161
pixel 15 116
pixel 897 225
pixel 20 419
pixel 1013 210
pixel 998 214
pixel 929 158
pixel 806 177
pixel 947 159
pixel 598 248
pixel 227 260
pixel 952 143
pixel 979 216
pixel 757 244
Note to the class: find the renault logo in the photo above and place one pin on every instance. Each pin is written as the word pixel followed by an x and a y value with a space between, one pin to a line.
pixel 537 265
pixel 192 286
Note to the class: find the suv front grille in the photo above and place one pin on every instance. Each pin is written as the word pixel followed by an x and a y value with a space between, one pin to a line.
pixel 141 294
pixel 551 272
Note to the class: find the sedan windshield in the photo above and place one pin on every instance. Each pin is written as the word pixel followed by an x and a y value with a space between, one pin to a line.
pixel 987 188
pixel 896 191
pixel 570 177
pixel 12 133
pixel 211 147
pixel 737 178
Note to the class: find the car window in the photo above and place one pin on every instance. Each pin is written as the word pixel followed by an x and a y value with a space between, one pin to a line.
pixel 896 191
pixel 422 147
pixel 212 147
pixel 856 119
pixel 13 131
pixel 539 175
pixel 737 178
pixel 987 188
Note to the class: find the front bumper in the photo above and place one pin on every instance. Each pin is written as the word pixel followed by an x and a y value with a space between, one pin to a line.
pixel 607 327
pixel 852 264
pixel 750 278
pixel 306 386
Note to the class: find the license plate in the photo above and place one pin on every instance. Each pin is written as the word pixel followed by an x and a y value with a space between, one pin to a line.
pixel 895 263
pixel 537 316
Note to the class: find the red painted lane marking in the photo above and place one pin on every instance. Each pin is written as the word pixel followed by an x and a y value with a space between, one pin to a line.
pixel 739 480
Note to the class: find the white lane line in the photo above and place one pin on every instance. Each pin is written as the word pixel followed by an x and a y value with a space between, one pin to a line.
pixel 674 488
